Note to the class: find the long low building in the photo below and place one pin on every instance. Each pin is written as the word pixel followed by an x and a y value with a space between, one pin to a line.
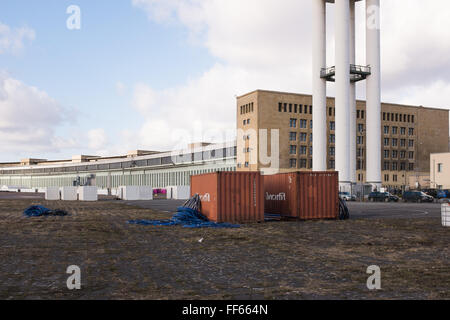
pixel 156 169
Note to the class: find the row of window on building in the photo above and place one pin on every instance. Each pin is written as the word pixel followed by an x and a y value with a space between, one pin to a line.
pixel 303 123
pixel 246 121
pixel 247 108
pixel 302 136
pixel 398 117
pixel 300 163
pixel 395 166
pixel 388 166
pixel 395 141
pixel 394 154
pixel 394 130
pixel 295 108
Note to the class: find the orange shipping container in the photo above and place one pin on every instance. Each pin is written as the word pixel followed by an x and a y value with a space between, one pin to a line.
pixel 235 197
pixel 303 195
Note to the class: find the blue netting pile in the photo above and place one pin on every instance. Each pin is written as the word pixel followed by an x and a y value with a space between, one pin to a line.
pixel 187 218
pixel 39 211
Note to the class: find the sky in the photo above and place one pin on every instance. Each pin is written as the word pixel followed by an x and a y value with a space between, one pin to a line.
pixel 159 74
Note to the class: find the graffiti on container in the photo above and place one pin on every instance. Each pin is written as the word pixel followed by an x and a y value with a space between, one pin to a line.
pixel 276 197
pixel 205 198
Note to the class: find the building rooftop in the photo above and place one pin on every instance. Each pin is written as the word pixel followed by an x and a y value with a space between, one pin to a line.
pixel 332 98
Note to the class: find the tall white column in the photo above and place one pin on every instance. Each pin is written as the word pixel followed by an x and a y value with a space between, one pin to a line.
pixel 319 86
pixel 342 30
pixel 352 156
pixel 373 123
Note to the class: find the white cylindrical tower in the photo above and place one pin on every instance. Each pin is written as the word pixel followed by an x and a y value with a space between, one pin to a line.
pixel 319 86
pixel 342 9
pixel 352 156
pixel 373 122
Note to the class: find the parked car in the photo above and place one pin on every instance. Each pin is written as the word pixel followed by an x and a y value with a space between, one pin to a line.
pixel 417 196
pixel 431 192
pixel 347 196
pixel 382 197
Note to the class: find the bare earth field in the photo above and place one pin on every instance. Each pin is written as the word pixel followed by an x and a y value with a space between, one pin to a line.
pixel 279 260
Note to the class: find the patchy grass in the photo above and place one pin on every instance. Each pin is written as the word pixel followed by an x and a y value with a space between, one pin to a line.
pixel 279 260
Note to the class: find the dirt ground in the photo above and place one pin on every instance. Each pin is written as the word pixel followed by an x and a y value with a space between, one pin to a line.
pixel 278 260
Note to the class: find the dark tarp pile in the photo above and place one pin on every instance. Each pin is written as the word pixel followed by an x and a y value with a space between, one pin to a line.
pixel 187 216
pixel 39 211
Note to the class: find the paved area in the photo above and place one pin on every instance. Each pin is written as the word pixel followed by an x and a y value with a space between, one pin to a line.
pixel 22 195
pixel 357 210
pixel 394 210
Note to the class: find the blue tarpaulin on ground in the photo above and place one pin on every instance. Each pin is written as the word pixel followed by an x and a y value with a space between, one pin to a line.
pixel 186 217
pixel 39 211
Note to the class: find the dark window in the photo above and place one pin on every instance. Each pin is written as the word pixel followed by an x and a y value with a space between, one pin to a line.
pixel 280 107
pixel 115 165
pixel 332 164
pixel 303 163
pixel 103 167
pixel 293 163
pixel 332 125
pixel 394 142
pixel 303 124
pixel 293 136
pixel 166 160
pixel 293 150
pixel 303 150
pixel 154 162
pixel 303 137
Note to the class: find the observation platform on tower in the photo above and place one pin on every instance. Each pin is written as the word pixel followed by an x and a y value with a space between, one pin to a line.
pixel 357 73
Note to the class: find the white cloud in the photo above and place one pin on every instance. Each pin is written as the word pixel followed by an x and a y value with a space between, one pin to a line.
pixel 13 39
pixel 97 139
pixel 268 39
pixel 28 119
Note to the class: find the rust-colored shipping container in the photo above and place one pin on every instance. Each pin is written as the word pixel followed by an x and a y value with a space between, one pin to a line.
pixel 234 197
pixel 303 195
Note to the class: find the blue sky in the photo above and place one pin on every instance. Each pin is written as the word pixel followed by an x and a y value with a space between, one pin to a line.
pixel 157 74
pixel 80 68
